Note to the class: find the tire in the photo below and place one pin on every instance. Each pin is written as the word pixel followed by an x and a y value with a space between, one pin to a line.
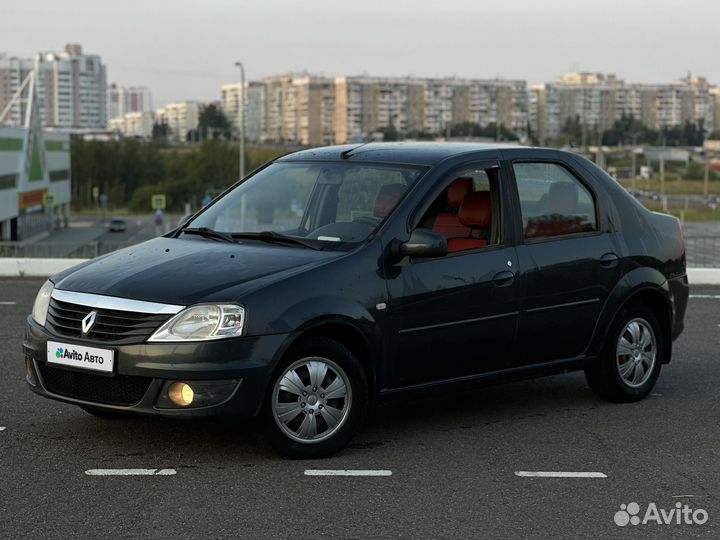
pixel 632 357
pixel 316 401
pixel 104 414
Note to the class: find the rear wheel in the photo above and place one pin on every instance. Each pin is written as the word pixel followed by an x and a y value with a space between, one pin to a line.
pixel 316 401
pixel 632 357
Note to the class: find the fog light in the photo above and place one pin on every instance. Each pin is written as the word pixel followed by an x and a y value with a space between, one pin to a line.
pixel 181 394
pixel 29 373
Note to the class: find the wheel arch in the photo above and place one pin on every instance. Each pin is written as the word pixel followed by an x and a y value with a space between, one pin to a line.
pixel 345 332
pixel 647 288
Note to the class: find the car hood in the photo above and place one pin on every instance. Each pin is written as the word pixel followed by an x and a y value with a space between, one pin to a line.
pixel 185 271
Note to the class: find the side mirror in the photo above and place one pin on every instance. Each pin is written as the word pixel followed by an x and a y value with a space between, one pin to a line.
pixel 183 220
pixel 425 243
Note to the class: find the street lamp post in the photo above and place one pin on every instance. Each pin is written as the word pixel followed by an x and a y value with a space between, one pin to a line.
pixel 241 113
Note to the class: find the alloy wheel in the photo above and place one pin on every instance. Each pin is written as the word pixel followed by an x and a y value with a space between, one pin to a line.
pixel 311 400
pixel 636 353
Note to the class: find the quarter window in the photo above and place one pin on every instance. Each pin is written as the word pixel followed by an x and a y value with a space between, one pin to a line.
pixel 553 202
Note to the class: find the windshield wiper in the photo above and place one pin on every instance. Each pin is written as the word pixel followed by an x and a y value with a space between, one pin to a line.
pixel 275 237
pixel 210 233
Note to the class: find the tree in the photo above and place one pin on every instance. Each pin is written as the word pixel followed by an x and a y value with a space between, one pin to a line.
pixel 212 123
pixel 160 130
pixel 390 133
pixel 492 130
pixel 628 130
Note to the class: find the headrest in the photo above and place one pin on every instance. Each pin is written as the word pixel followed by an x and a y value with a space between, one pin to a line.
pixel 562 198
pixel 387 198
pixel 475 209
pixel 457 190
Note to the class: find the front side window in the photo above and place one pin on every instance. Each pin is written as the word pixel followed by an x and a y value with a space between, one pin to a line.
pixel 466 212
pixel 328 204
pixel 553 202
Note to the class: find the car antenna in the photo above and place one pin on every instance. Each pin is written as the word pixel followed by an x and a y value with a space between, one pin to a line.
pixel 346 153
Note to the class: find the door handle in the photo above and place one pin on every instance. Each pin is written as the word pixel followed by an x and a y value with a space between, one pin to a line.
pixel 504 278
pixel 609 260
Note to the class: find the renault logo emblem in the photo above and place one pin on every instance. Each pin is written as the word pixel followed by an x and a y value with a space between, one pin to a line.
pixel 88 322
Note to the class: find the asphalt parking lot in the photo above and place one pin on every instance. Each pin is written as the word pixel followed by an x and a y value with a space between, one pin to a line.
pixel 449 463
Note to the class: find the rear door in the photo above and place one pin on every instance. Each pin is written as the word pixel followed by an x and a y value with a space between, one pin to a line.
pixel 568 259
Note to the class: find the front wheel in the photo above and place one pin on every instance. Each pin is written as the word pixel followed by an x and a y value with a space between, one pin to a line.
pixel 632 357
pixel 317 400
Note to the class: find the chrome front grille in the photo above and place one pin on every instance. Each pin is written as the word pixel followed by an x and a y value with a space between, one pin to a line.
pixel 111 325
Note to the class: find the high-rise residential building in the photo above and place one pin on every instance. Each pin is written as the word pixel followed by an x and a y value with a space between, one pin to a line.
pixel 277 100
pixel 181 118
pixel 133 124
pixel 715 99
pixel 313 103
pixel 13 72
pixel 598 100
pixel 122 100
pixel 367 105
pixel 72 89
pixel 413 107
pixel 255 111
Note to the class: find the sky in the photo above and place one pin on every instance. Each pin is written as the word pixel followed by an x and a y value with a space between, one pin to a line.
pixel 186 49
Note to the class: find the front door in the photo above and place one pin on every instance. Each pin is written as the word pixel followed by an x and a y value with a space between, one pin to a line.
pixel 455 316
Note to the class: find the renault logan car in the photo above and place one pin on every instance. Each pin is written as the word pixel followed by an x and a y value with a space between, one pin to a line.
pixel 335 278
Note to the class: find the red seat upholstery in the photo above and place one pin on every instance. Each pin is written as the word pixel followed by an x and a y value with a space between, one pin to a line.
pixel 387 198
pixel 448 223
pixel 560 215
pixel 475 213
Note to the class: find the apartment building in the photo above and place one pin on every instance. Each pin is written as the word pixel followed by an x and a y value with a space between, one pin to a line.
pixel 131 99
pixel 181 118
pixel 71 88
pixel 312 101
pixel 277 106
pixel 366 105
pixel 13 72
pixel 598 100
pixel 255 115
pixel 715 99
pixel 133 124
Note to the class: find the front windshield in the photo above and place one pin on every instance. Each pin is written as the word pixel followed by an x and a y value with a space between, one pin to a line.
pixel 329 203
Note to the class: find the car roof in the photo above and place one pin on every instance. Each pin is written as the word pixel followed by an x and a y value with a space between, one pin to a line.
pixel 418 153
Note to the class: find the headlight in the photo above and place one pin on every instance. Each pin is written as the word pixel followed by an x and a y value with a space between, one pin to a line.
pixel 203 322
pixel 42 302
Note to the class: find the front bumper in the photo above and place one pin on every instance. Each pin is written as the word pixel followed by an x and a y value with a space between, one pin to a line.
pixel 141 371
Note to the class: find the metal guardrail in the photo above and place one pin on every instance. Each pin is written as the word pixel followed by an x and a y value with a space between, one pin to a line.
pixel 51 250
pixel 702 251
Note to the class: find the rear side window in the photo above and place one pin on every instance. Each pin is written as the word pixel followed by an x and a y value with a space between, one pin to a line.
pixel 553 202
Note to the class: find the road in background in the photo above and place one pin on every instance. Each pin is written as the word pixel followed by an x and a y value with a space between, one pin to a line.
pixel 453 461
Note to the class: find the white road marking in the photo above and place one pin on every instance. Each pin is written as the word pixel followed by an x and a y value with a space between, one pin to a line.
pixel 682 496
pixel 344 472
pixel 130 472
pixel 559 474
pixel 713 296
pixel 2 428
pixel 7 303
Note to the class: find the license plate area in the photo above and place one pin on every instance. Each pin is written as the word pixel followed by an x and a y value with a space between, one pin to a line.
pixel 80 356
